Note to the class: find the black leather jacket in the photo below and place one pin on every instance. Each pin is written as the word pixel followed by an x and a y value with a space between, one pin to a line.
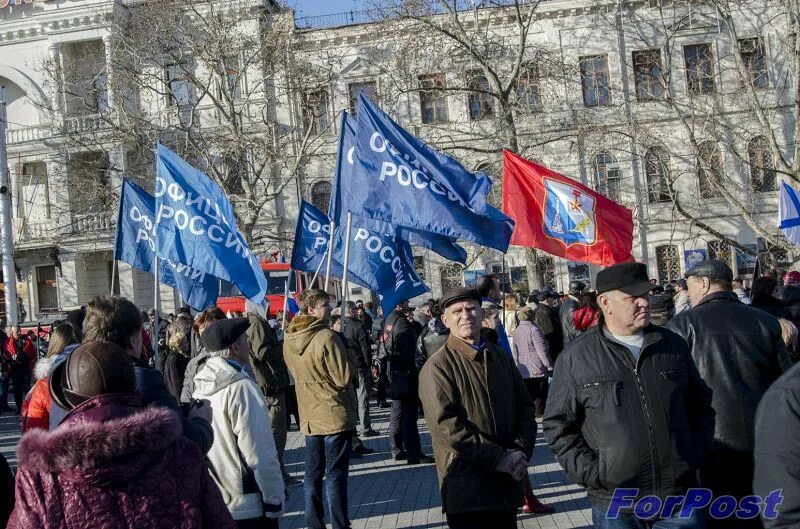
pixel 565 313
pixel 790 297
pixel 739 353
pixel 612 422
pixel 433 338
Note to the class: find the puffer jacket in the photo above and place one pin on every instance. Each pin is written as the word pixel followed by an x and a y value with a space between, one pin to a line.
pixel 266 356
pixel 738 361
pixel 530 351
pixel 243 459
pixel 476 407
pixel 612 422
pixel 318 360
pixel 114 463
pixel 37 412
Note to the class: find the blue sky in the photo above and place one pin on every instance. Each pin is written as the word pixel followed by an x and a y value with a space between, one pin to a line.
pixel 310 8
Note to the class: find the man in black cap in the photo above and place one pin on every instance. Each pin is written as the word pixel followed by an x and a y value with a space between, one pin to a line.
pixel 568 330
pixel 739 352
pixel 243 459
pixel 481 420
pixel 627 407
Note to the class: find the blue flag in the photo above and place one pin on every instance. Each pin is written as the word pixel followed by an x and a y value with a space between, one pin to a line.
pixel 400 180
pixel 444 246
pixel 382 263
pixel 195 225
pixel 789 213
pixel 135 245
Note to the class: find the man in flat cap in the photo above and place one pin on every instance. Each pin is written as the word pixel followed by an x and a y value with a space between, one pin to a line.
pixel 739 352
pixel 627 408
pixel 243 459
pixel 481 419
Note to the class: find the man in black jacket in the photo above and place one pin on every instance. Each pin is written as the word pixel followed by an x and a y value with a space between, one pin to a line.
pixel 399 342
pixel 356 335
pixel 627 407
pixel 739 352
pixel 568 330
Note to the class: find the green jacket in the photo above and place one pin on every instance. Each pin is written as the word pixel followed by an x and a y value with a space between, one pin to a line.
pixel 323 375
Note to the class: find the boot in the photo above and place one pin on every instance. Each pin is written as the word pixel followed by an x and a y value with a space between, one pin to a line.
pixel 532 505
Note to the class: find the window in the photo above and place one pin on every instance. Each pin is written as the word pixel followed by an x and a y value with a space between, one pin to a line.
pixel 315 112
pixel 607 175
pixel 178 85
pixel 354 89
pixel 656 169
pixel 762 169
pixel 231 77
pixel 709 170
pixel 481 102
pixel 668 263
pixel 699 68
pixel 419 266
pixel 594 80
pixel 33 203
pixel 432 99
pixel 648 75
pixel 452 276
pixel 528 89
pixel 88 183
pixel 321 195
pixel 755 62
pixel 720 250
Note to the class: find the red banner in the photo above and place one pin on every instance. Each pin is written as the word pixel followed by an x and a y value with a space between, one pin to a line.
pixel 563 217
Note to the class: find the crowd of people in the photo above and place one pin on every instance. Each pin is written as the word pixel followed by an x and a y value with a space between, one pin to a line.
pixel 655 389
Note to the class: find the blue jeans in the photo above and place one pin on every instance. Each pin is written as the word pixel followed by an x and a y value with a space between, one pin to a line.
pixel 629 521
pixel 328 456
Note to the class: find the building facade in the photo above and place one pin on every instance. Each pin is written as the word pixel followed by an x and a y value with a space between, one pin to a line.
pixel 682 113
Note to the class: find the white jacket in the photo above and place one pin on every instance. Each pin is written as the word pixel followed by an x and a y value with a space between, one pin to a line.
pixel 243 460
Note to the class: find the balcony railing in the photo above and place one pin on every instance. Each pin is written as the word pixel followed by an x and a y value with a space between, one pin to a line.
pixel 87 225
pixel 91 223
pixel 36 133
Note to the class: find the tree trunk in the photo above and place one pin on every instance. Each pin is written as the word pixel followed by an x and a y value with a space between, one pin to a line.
pixel 532 265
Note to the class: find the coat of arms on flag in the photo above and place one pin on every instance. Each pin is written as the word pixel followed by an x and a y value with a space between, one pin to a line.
pixel 569 213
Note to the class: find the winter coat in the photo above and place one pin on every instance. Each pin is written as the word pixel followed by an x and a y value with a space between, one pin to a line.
pixel 777 448
pixel 585 318
pixel 174 372
pixel 6 491
pixel 531 352
pixel 114 463
pixel 400 343
pixel 567 324
pixel 317 358
pixel 37 414
pixel 477 407
pixel 266 356
pixel 243 458
pixel 433 338
pixel 789 295
pixel 20 353
pixel 739 353
pixel 192 368
pixel 612 422
pixel 357 338
pixel 773 306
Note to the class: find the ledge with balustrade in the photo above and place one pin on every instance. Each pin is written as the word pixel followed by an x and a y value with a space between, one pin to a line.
pixel 81 225
pixel 85 124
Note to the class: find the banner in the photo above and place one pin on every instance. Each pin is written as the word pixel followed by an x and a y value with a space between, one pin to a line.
pixel 195 225
pixel 135 245
pixel 563 217
pixel 400 180
pixel 444 246
pixel 381 263
pixel 789 213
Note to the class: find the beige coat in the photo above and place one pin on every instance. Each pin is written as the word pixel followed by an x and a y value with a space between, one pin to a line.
pixel 319 363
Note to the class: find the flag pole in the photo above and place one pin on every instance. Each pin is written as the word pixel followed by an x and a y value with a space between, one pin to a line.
pixel 286 302
pixel 156 302
pixel 330 255
pixel 346 264
pixel 502 290
pixel 114 272
pixel 319 266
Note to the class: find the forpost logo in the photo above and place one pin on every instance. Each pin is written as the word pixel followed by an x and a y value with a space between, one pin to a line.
pixel 720 508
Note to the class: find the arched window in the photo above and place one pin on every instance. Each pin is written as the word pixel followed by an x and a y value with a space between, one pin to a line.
pixel 656 168
pixel 721 251
pixel 607 175
pixel 762 168
pixel 481 101
pixel 668 263
pixel 709 170
pixel 452 276
pixel 321 195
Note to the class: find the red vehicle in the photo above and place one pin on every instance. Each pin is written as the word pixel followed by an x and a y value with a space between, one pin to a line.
pixel 231 300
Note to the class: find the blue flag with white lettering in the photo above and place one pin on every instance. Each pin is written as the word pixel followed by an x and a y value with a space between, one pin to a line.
pixel 382 263
pixel 135 246
pixel 195 225
pixel 400 180
pixel 444 246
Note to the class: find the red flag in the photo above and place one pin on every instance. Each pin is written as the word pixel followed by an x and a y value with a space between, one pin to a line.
pixel 563 217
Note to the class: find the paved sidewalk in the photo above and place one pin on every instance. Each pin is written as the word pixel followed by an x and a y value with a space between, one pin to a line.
pixel 385 494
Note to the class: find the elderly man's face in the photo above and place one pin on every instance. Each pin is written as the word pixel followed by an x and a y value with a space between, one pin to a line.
pixel 625 313
pixel 491 320
pixel 697 288
pixel 464 318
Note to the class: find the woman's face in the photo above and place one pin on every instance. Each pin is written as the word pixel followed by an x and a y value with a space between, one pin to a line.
pixel 492 321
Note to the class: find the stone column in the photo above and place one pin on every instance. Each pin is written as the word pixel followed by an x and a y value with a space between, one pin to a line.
pixel 56 95
pixel 107 45
pixel 68 282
